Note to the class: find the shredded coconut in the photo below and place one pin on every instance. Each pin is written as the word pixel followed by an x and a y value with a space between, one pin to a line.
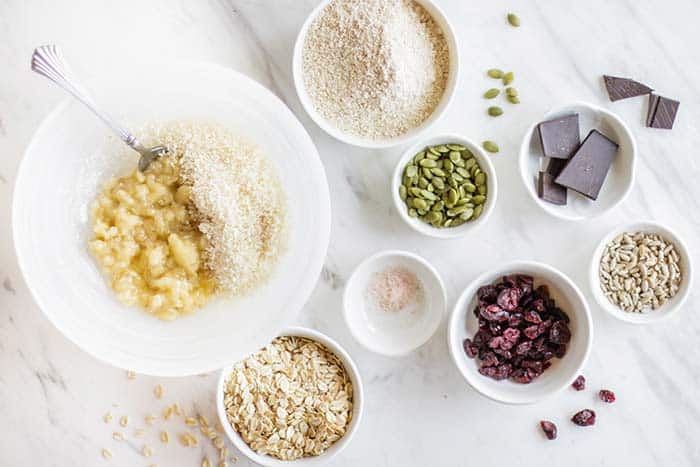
pixel 375 68
pixel 238 200
pixel 394 289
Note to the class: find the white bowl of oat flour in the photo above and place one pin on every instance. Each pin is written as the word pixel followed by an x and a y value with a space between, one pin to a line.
pixel 376 73
pixel 211 114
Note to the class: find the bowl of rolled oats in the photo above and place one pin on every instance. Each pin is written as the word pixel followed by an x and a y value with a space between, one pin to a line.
pixel 298 400
pixel 641 272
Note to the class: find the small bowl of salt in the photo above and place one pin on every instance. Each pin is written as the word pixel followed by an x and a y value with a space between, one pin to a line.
pixel 394 302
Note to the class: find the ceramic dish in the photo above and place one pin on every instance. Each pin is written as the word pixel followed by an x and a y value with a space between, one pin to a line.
pixel 463 324
pixel 670 308
pixel 70 157
pixel 450 232
pixel 297 69
pixel 393 333
pixel 335 449
pixel 620 178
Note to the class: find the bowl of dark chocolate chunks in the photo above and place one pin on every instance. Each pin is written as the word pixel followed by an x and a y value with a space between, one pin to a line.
pixel 578 161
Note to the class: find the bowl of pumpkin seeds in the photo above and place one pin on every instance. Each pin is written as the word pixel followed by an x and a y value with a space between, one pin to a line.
pixel 444 186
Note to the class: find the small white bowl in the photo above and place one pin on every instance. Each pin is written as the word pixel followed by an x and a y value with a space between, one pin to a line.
pixel 669 308
pixel 620 178
pixel 297 70
pixel 463 324
pixel 335 449
pixel 486 167
pixel 388 333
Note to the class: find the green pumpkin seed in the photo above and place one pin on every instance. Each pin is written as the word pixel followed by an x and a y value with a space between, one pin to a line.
pixel 431 187
pixel 512 92
pixel 469 187
pixel 420 204
pixel 455 156
pixel 412 213
pixel 456 147
pixel 438 206
pixel 402 193
pixel 411 171
pixel 462 172
pixel 480 179
pixel 508 78
pixel 433 151
pixel 428 163
pixel 491 93
pixel 490 146
pixel 426 194
pixel 427 173
pixel 438 172
pixel 495 73
pixel 438 183
pixel 417 158
pixel 448 165
pixel 423 182
pixel 442 148
pixel 513 20
pixel 513 99
pixel 479 199
pixel 470 163
pixel 421 212
pixel 432 156
pixel 467 214
pixel 447 223
pixel 452 196
pixel 477 211
pixel 494 111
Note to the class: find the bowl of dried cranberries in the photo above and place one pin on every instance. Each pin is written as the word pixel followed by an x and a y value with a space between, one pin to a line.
pixel 520 332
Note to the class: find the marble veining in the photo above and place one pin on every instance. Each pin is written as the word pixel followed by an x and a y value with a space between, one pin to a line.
pixel 419 411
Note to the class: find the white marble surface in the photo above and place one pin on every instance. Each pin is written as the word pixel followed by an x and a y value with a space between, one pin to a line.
pixel 419 411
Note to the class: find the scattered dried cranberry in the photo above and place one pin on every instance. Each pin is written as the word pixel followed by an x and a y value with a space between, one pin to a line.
pixel 520 330
pixel 579 383
pixel 549 428
pixel 586 417
pixel 607 396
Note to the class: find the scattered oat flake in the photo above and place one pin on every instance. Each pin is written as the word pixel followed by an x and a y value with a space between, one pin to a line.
pixel 149 419
pixel 107 417
pixel 124 421
pixel 106 453
pixel 218 443
pixel 219 427
pixel 223 464
pixel 146 450
pixel 139 432
pixel 158 391
pixel 203 420
pixel 223 453
pixel 164 436
pixel 168 412
pixel 118 436
pixel 176 408
pixel 130 374
pixel 190 421
pixel 206 462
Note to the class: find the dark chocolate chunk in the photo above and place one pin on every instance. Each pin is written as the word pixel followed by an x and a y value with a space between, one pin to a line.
pixel 665 113
pixel 588 167
pixel 560 137
pixel 622 88
pixel 653 101
pixel 554 166
pixel 550 191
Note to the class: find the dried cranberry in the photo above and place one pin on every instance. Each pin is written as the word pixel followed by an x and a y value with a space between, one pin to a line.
pixel 506 354
pixel 495 342
pixel 585 417
pixel 532 316
pixel 508 299
pixel 540 343
pixel 494 313
pixel 607 396
pixel 549 429
pixel 579 383
pixel 470 349
pixel 489 371
pixel 511 334
pixel 489 359
pixel 531 332
pixel 495 328
pixel 560 351
pixel 523 348
pixel 560 333
pixel 515 320
pixel 487 293
pixel 543 291
pixel 521 376
pixel 535 365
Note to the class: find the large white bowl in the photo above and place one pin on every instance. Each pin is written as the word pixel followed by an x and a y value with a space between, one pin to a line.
pixel 298 73
pixel 463 324
pixel 620 178
pixel 671 307
pixel 486 167
pixel 394 334
pixel 338 446
pixel 72 154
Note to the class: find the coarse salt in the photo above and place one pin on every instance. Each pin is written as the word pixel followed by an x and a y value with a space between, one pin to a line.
pixel 394 289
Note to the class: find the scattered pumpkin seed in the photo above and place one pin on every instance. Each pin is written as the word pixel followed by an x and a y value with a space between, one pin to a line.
pixel 508 78
pixel 491 93
pixel 512 92
pixel 106 453
pixel 456 147
pixel 514 20
pixel 490 146
pixel 495 73
pixel 513 99
pixel 495 111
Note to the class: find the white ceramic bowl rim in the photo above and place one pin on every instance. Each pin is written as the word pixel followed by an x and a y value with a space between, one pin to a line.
pixel 127 337
pixel 674 305
pixel 460 309
pixel 484 163
pixel 526 173
pixel 429 332
pixel 338 446
pixel 452 84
